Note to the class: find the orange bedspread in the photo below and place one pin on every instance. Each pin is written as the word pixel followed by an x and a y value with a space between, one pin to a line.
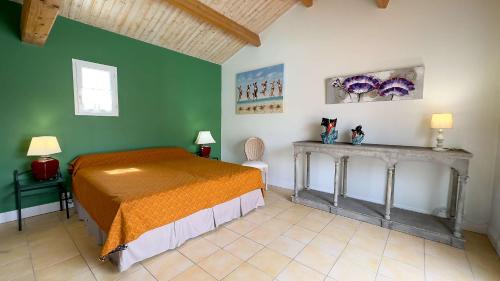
pixel 129 193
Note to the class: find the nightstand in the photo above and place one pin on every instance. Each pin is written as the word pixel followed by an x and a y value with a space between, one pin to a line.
pixel 24 182
pixel 198 154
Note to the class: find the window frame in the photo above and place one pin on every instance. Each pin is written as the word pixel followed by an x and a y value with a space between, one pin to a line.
pixel 77 77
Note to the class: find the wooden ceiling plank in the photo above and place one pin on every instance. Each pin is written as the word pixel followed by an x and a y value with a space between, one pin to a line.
pixel 171 25
pixel 158 37
pixel 121 20
pixel 105 13
pixel 64 8
pixel 200 31
pixel 146 20
pixel 186 26
pixel 134 17
pixel 307 3
pixel 85 4
pixel 261 11
pixel 218 41
pixel 37 19
pixel 154 29
pixel 86 11
pixel 246 12
pixel 113 15
pixel 204 12
pixel 213 35
pixel 271 13
pixel 206 43
pixel 95 12
pixel 74 7
pixel 382 4
pixel 182 23
pixel 152 26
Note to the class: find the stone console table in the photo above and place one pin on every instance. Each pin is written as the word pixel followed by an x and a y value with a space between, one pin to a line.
pixel 443 230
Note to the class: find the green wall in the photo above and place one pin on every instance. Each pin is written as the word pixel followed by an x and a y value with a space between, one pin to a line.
pixel 165 97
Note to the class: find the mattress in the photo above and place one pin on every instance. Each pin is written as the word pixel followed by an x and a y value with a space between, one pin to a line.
pixel 130 193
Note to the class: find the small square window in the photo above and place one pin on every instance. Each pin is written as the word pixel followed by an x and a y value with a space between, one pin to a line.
pixel 95 89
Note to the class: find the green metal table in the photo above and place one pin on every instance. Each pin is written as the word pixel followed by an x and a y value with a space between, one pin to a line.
pixel 24 182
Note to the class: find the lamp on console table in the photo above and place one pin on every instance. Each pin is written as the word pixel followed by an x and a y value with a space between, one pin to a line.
pixel 441 121
pixel 204 139
pixel 45 167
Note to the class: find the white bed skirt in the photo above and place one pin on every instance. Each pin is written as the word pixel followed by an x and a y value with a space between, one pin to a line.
pixel 174 234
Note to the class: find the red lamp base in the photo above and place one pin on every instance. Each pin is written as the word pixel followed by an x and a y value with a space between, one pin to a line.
pixel 205 151
pixel 45 168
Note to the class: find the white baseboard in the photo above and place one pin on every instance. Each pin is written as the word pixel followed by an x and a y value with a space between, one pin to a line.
pixel 31 211
pixel 478 228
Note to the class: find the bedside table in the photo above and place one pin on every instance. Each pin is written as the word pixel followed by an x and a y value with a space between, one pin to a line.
pixel 24 182
pixel 198 154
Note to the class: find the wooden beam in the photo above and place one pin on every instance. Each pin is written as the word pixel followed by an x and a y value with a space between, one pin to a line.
pixel 204 12
pixel 37 19
pixel 382 4
pixel 307 3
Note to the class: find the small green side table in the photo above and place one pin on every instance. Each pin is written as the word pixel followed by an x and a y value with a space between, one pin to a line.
pixel 24 182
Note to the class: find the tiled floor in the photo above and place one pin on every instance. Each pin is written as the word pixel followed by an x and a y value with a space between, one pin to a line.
pixel 281 241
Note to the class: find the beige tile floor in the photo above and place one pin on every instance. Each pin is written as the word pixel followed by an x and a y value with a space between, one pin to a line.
pixel 281 241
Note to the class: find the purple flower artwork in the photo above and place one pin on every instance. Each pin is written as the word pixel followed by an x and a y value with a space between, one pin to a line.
pixel 390 85
pixel 396 87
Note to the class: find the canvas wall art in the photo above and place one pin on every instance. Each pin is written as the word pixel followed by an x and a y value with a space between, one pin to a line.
pixel 260 90
pixel 391 85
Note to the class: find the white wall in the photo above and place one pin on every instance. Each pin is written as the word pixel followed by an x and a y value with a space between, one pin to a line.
pixel 494 228
pixel 455 41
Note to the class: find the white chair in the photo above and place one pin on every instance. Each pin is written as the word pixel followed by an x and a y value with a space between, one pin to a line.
pixel 254 150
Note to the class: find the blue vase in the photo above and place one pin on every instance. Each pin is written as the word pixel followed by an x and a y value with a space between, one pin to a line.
pixel 357 140
pixel 330 138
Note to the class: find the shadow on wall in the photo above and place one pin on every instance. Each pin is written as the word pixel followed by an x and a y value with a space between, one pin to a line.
pixel 345 135
pixel 425 129
pixel 240 148
pixel 13 28
pixel 22 148
pixel 315 131
pixel 7 193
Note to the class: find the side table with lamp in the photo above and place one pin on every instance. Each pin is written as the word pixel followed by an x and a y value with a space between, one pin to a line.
pixel 44 174
pixel 446 228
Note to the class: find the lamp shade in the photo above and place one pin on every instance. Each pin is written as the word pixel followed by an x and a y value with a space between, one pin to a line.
pixel 43 146
pixel 204 137
pixel 442 121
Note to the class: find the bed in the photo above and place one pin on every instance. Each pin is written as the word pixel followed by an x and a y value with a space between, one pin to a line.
pixel 141 203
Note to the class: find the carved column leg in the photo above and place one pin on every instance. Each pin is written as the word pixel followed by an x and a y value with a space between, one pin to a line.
pixel 336 184
pixel 389 191
pixel 308 170
pixel 392 188
pixel 462 181
pixel 295 171
pixel 454 193
pixel 344 176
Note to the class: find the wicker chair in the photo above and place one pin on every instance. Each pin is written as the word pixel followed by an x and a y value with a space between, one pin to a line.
pixel 254 150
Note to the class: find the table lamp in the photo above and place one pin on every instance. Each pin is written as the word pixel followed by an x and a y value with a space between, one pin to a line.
pixel 204 139
pixel 441 121
pixel 45 167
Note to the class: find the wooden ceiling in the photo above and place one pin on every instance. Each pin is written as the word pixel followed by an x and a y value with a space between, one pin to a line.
pixel 161 23
pixel 212 30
